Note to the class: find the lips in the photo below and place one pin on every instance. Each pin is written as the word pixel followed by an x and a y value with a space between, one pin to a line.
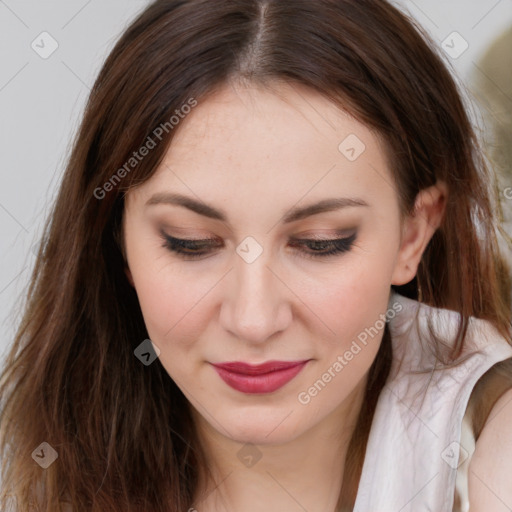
pixel 262 378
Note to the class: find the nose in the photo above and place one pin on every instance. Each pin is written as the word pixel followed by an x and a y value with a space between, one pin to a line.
pixel 256 306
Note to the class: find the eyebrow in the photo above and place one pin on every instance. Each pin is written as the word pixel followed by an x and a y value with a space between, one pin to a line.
pixel 292 215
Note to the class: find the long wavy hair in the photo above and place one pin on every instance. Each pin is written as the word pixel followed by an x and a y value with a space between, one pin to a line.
pixel 123 431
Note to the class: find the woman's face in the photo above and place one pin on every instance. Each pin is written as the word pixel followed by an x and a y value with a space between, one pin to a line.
pixel 249 168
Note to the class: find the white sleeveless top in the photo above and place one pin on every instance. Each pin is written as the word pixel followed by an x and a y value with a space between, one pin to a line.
pixel 413 448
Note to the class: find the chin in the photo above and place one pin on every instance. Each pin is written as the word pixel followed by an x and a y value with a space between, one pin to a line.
pixel 263 428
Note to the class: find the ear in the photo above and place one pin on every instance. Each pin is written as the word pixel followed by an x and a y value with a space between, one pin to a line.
pixel 417 230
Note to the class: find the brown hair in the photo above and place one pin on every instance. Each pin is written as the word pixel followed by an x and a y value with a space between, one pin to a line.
pixel 123 432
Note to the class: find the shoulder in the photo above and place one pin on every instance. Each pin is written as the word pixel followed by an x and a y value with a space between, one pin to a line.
pixel 490 469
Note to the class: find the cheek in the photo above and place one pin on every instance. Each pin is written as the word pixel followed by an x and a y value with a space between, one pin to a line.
pixel 349 297
pixel 170 300
pixel 173 309
pixel 354 307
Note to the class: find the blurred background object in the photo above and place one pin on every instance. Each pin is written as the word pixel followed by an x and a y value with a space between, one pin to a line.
pixel 491 85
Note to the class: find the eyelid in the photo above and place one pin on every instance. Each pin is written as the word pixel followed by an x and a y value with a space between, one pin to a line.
pixel 208 242
pixel 331 236
pixel 196 249
pixel 328 235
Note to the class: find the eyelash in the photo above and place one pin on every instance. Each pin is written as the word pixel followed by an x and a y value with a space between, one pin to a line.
pixel 182 246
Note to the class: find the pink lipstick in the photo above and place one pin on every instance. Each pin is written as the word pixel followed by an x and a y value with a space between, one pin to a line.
pixel 261 378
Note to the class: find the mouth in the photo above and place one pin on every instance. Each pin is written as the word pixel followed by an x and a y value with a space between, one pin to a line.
pixel 257 379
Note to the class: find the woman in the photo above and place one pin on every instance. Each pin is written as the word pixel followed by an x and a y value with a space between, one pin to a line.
pixel 272 266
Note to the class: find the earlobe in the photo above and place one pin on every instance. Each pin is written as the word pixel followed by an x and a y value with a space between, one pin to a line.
pixel 417 231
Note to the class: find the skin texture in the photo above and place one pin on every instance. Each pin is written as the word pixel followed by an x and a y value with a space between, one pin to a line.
pixel 490 467
pixel 256 153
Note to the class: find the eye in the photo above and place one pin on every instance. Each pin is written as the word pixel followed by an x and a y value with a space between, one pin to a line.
pixel 190 248
pixel 315 248
pixel 320 248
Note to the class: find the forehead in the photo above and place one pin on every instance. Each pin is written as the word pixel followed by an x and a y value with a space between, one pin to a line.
pixel 267 120
pixel 279 145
